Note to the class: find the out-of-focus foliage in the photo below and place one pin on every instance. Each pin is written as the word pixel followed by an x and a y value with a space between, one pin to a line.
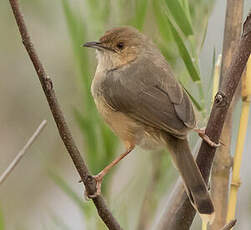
pixel 84 207
pixel 177 24
pixel 1 220
pixel 181 14
pixel 59 223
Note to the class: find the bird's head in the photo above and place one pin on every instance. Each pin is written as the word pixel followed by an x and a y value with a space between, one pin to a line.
pixel 118 47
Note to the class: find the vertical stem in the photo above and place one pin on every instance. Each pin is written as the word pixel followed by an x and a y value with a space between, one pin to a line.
pixel 223 160
pixel 216 77
pixel 235 184
pixel 246 100
pixel 202 98
pixel 204 225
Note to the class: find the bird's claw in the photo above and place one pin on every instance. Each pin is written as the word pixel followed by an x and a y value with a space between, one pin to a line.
pixel 202 134
pixel 99 179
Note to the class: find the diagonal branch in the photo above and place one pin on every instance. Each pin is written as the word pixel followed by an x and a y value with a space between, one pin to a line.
pixel 230 225
pixel 180 213
pixel 21 153
pixel 219 182
pixel 64 131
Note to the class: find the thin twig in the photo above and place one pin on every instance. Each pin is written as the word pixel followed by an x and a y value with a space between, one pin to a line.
pixel 180 213
pixel 229 225
pixel 19 156
pixel 64 131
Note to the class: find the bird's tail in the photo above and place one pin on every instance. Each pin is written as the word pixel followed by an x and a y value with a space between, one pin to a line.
pixel 194 183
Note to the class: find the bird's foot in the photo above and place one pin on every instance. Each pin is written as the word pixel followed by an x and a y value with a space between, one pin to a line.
pixel 202 134
pixel 99 178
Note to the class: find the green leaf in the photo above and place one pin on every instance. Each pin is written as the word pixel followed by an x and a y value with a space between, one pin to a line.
pixel 166 45
pixel 161 21
pixel 185 5
pixel 204 34
pixel 190 65
pixel 195 102
pixel 180 16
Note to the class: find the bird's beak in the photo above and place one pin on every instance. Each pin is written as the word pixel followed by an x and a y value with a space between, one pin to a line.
pixel 96 45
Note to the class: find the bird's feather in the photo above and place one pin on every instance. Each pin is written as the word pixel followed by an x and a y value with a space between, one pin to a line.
pixel 151 95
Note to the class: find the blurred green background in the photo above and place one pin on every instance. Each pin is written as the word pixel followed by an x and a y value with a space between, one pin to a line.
pixel 43 192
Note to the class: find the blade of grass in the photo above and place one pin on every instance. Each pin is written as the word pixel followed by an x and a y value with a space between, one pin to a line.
pixel 76 30
pixel 166 29
pixel 97 13
pixel 160 18
pixel 195 102
pixel 194 74
pixel 180 16
pixel 185 5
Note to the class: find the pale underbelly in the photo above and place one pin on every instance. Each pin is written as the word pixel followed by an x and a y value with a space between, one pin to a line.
pixel 128 130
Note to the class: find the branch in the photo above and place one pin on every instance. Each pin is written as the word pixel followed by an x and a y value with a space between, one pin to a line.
pixel 21 153
pixel 223 160
pixel 64 131
pixel 180 213
pixel 229 225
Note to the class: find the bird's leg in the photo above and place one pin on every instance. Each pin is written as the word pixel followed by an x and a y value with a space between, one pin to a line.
pixel 202 134
pixel 99 177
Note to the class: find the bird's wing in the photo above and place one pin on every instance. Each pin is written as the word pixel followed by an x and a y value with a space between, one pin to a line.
pixel 151 95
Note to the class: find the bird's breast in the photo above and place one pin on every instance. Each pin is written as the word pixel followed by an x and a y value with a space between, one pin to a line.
pixel 123 126
pixel 126 128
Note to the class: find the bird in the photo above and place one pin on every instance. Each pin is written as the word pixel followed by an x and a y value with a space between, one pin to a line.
pixel 137 94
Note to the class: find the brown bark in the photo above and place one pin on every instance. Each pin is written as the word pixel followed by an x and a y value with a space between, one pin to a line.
pixel 223 160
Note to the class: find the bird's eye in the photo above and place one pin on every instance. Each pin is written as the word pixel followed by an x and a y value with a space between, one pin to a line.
pixel 120 45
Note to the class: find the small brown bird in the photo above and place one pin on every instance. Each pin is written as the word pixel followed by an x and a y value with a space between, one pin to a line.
pixel 137 94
